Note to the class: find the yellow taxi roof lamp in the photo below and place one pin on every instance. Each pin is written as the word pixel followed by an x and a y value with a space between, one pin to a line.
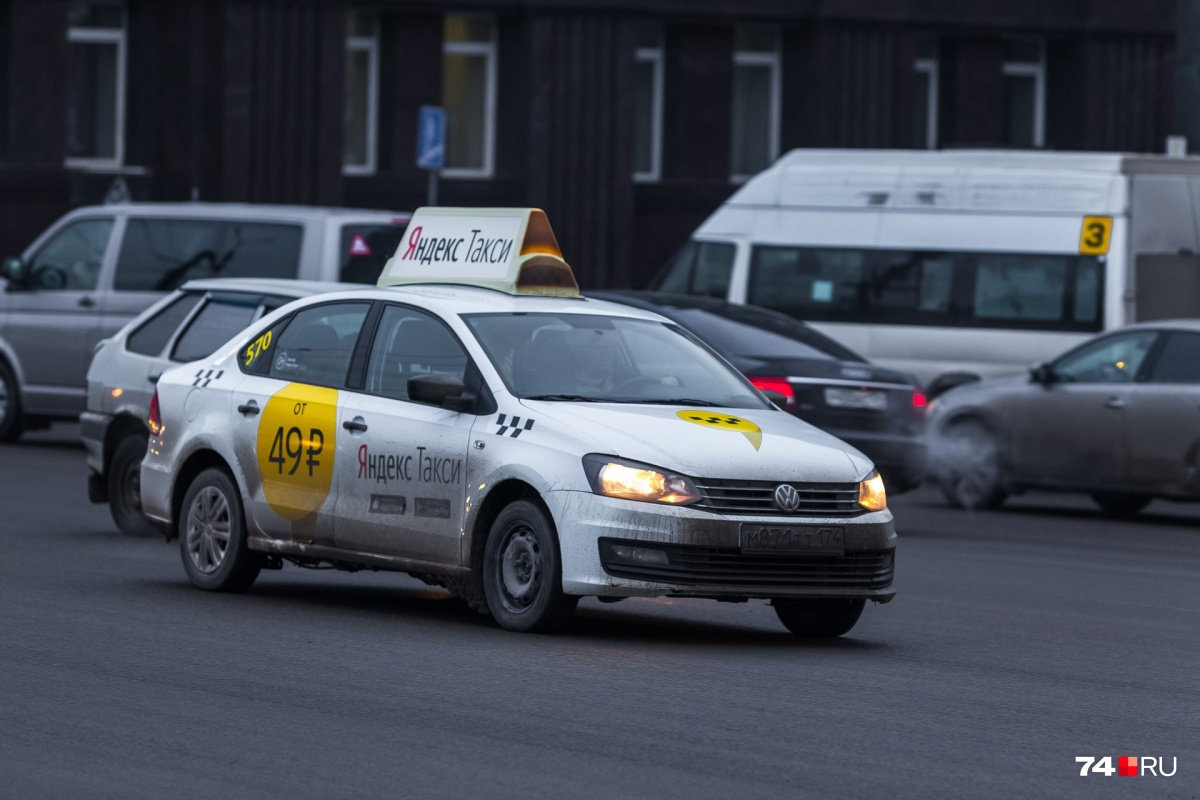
pixel 513 250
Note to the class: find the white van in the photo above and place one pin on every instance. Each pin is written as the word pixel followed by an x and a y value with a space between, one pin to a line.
pixel 937 262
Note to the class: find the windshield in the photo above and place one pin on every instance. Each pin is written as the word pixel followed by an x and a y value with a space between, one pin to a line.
pixel 584 357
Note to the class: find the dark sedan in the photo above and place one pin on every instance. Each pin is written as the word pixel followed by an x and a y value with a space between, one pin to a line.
pixel 879 411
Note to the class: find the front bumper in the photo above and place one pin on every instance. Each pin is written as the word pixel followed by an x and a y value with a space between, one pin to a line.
pixel 92 427
pixel 706 558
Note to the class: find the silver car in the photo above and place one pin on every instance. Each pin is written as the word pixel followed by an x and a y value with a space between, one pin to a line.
pixel 188 324
pixel 1115 417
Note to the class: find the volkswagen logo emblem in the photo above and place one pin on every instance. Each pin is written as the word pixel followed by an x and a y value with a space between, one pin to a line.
pixel 786 497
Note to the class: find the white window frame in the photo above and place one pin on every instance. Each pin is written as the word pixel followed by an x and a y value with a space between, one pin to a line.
pixel 654 57
pixel 488 51
pixel 106 36
pixel 745 58
pixel 369 45
pixel 1037 71
pixel 929 67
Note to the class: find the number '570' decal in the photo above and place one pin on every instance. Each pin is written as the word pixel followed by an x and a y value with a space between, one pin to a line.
pixel 257 347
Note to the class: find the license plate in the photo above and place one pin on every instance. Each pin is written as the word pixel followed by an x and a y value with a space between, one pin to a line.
pixel 857 398
pixel 792 538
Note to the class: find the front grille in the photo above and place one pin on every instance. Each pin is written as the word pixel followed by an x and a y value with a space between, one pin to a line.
pixel 758 497
pixel 728 566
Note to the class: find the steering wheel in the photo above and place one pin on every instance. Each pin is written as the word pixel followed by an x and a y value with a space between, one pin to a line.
pixel 636 382
pixel 49 276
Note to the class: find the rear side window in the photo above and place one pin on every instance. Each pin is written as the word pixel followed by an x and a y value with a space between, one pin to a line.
pixel 1179 360
pixel 365 249
pixel 158 255
pixel 702 268
pixel 317 344
pixel 218 321
pixel 151 337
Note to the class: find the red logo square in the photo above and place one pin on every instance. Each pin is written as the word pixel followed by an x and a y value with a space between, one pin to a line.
pixel 1127 765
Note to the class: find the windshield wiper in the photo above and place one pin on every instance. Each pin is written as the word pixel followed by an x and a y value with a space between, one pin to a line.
pixel 674 401
pixel 567 398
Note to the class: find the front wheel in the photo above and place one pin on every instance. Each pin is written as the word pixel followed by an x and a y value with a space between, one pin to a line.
pixel 522 573
pixel 212 535
pixel 10 405
pixel 970 470
pixel 822 618
pixel 125 488
pixel 1121 504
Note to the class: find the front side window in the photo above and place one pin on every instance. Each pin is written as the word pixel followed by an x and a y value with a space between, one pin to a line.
pixel 72 258
pixel 469 95
pixel 217 322
pixel 316 345
pixel 756 97
pixel 648 103
pixel 96 59
pixel 409 344
pixel 1112 359
pixel 585 357
pixel 159 255
pixel 1179 359
pixel 365 248
pixel 1025 94
pixel 151 337
pixel 360 123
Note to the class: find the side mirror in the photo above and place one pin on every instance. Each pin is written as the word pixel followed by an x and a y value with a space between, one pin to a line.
pixel 13 270
pixel 1042 373
pixel 778 398
pixel 444 391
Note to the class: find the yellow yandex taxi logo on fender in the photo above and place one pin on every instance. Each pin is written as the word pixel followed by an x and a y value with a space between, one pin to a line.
pixel 724 422
pixel 297 439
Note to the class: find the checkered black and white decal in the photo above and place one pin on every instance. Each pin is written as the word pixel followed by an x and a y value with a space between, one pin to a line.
pixel 515 425
pixel 206 376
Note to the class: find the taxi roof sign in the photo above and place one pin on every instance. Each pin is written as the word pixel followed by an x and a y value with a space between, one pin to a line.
pixel 510 249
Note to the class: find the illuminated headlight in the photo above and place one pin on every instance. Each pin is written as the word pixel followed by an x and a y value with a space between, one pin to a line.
pixel 631 481
pixel 871 494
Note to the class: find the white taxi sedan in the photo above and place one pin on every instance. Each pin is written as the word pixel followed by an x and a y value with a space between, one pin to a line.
pixel 477 424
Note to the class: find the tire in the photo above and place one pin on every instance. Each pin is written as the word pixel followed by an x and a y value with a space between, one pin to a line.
pixel 212 507
pixel 125 488
pixel 972 472
pixel 823 618
pixel 10 405
pixel 1122 504
pixel 522 571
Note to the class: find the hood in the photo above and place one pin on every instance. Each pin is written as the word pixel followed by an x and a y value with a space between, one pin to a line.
pixel 728 443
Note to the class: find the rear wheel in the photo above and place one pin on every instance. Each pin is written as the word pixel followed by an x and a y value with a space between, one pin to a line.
pixel 1122 504
pixel 125 488
pixel 522 572
pixel 822 618
pixel 971 473
pixel 10 405
pixel 212 535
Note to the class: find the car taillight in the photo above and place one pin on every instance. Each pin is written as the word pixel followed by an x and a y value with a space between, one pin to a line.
pixel 779 385
pixel 156 426
pixel 919 404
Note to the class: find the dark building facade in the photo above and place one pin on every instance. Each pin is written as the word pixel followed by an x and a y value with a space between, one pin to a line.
pixel 628 121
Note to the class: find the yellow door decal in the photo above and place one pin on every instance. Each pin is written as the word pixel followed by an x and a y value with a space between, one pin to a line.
pixel 724 422
pixel 1093 239
pixel 297 439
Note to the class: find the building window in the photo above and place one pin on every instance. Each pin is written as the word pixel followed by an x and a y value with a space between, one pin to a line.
pixel 1025 94
pixel 96 57
pixel 469 95
pixel 360 120
pixel 756 88
pixel 648 113
pixel 925 92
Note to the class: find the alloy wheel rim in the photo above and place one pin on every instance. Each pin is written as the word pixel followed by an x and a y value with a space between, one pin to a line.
pixel 131 486
pixel 3 399
pixel 520 569
pixel 208 530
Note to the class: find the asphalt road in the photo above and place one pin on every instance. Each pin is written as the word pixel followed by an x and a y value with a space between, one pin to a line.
pixel 1020 639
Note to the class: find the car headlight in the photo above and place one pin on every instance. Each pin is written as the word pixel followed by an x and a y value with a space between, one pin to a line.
pixel 629 480
pixel 871 494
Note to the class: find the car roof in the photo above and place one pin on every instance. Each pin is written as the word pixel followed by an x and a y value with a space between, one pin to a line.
pixel 247 211
pixel 282 286
pixel 457 299
pixel 1164 324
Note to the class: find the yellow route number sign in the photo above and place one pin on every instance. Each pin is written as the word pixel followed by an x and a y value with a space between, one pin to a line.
pixel 1093 239
pixel 297 439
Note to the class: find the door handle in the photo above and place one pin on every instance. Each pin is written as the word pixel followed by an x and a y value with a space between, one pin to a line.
pixel 86 302
pixel 248 409
pixel 357 425
pixel 1114 402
